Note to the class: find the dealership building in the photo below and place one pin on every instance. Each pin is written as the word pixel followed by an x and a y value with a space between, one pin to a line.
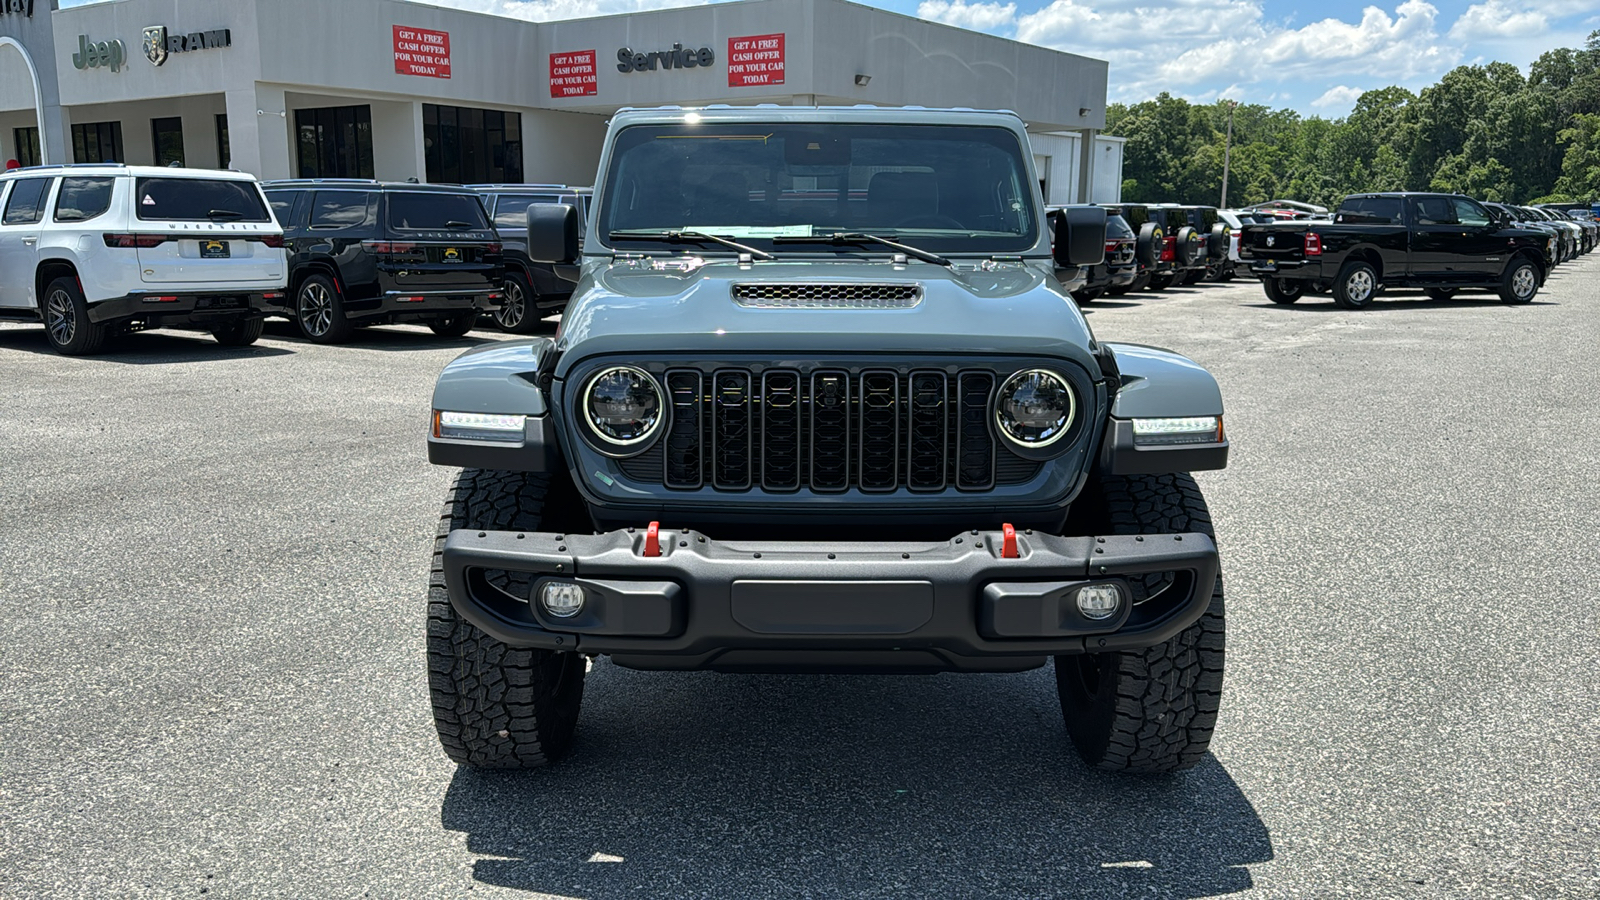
pixel 395 90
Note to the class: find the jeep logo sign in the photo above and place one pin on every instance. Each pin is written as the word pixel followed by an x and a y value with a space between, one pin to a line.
pixel 92 55
pixel 676 58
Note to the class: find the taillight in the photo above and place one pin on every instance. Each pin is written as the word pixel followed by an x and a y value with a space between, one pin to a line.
pixel 492 248
pixel 389 247
pixel 272 240
pixel 1313 244
pixel 1169 249
pixel 132 241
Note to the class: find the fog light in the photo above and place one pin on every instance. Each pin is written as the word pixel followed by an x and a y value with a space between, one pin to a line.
pixel 1099 601
pixel 478 427
pixel 561 599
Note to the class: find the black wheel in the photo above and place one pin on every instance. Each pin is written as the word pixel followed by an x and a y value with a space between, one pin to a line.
pixel 1148 711
pixel 1440 294
pixel 66 320
pixel 496 706
pixel 518 312
pixel 1161 282
pixel 320 311
pixel 242 333
pixel 1283 290
pixel 1087 295
pixel 1356 285
pixel 1520 283
pixel 456 325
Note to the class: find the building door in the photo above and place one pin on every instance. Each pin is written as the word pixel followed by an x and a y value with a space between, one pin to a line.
pixel 334 142
pixel 27 145
pixel 97 142
pixel 166 137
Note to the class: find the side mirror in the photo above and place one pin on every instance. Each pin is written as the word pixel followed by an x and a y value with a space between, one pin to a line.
pixel 1080 238
pixel 553 233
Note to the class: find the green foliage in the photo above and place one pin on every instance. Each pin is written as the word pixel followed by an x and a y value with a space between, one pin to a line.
pixel 1488 131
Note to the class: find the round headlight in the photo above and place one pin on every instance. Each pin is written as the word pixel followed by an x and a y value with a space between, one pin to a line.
pixel 1035 408
pixel 622 406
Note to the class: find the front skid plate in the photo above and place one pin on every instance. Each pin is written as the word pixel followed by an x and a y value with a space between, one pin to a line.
pixel 872 597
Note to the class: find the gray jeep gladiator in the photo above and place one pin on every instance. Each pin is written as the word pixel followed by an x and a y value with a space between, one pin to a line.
pixel 819 403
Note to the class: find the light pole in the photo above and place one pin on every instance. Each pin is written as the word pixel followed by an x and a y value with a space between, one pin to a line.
pixel 1227 152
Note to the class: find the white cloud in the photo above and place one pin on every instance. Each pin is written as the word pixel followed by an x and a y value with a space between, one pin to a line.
pixel 1499 19
pixel 976 16
pixel 1339 98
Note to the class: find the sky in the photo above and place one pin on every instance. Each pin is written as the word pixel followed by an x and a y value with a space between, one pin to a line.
pixel 1314 57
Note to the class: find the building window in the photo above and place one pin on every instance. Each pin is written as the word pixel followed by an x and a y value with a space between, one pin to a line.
pixel 96 142
pixel 471 146
pixel 166 136
pixel 224 152
pixel 27 145
pixel 334 141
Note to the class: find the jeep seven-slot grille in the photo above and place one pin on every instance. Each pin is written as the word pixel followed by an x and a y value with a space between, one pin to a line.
pixel 829 430
pixel 827 296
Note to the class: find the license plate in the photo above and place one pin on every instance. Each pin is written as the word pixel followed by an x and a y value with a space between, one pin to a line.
pixel 1266 267
pixel 219 303
pixel 452 255
pixel 214 250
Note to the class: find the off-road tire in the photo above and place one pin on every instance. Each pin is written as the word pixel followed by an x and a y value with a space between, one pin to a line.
pixel 242 333
pixel 1283 290
pixel 1440 294
pixel 519 309
pixel 1087 296
pixel 1520 283
pixel 454 326
pixel 66 320
pixel 1148 711
pixel 1161 282
pixel 1356 285
pixel 319 311
pixel 496 706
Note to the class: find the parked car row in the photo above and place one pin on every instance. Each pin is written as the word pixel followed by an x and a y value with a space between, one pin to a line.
pixel 1154 246
pixel 96 250
pixel 1441 243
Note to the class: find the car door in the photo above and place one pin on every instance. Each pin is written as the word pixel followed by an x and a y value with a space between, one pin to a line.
pixel 21 221
pixel 1435 238
pixel 1480 251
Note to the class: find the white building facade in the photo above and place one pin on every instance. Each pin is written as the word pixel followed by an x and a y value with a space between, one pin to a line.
pixel 395 90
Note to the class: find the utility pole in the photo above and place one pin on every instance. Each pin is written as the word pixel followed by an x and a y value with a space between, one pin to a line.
pixel 1227 152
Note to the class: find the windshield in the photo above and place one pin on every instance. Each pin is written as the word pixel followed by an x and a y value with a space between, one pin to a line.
pixel 1117 229
pixel 938 187
pixel 199 200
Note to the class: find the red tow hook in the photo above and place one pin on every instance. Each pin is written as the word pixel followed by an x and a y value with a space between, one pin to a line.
pixel 652 540
pixel 1008 542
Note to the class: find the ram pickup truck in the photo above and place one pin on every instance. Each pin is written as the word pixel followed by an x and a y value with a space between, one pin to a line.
pixel 1441 243
pixel 821 403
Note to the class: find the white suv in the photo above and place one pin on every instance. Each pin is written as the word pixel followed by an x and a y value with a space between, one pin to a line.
pixel 95 249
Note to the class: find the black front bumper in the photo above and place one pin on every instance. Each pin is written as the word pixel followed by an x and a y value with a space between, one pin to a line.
pixel 960 605
pixel 202 309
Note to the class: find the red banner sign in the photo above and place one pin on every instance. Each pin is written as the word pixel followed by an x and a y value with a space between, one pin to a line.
pixel 755 61
pixel 572 74
pixel 418 51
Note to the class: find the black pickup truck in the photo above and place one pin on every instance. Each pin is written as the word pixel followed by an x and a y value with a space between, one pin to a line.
pixel 1441 243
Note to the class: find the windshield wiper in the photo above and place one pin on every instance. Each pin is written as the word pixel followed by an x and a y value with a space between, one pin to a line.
pixel 677 236
pixel 861 237
pixel 457 224
pixel 224 214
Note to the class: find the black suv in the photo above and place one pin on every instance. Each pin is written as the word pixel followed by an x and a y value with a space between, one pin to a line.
pixel 377 253
pixel 1154 264
pixel 533 289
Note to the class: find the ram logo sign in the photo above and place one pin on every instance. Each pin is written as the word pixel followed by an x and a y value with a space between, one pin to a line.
pixel 1272 240
pixel 158 45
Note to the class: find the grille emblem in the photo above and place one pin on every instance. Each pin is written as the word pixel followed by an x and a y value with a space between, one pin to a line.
pixel 1272 240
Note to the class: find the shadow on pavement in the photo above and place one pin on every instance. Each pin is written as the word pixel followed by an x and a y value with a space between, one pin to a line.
pixel 386 338
pixel 143 348
pixel 738 786
pixel 1402 302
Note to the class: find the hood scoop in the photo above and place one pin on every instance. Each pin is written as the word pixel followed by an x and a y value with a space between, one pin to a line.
pixel 827 295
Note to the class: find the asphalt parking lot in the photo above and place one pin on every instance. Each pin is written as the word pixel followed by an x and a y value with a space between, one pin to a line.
pixel 214 564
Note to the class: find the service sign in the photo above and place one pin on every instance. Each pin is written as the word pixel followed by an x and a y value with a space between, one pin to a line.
pixel 572 74
pixel 755 61
pixel 418 51
pixel 17 8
